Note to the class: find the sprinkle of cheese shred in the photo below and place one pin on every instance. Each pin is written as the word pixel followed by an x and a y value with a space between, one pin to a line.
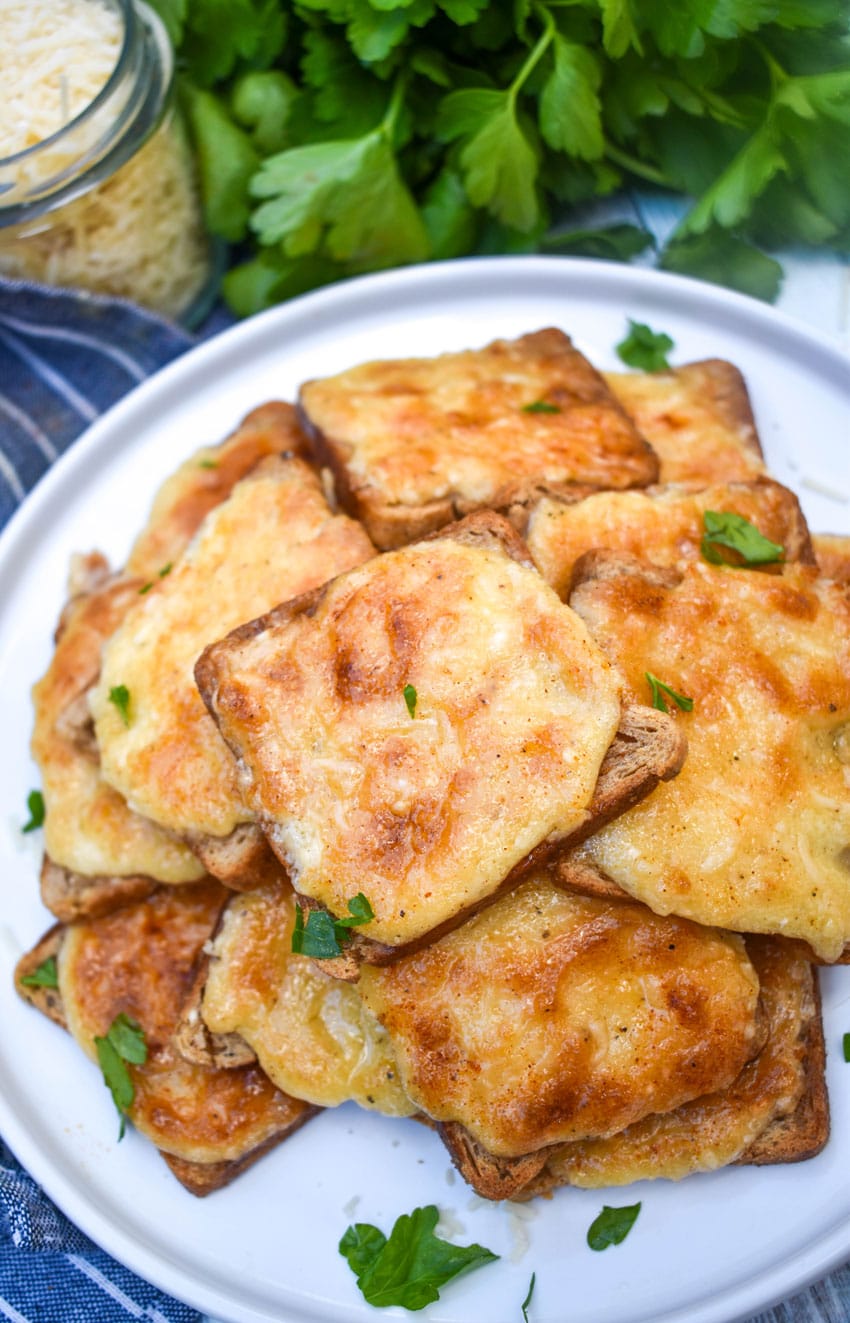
pixel 137 233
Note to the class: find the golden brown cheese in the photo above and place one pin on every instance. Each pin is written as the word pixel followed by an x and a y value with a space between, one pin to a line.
pixel 662 524
pixel 207 478
pixel 138 962
pixel 274 538
pixel 312 1034
pixel 697 418
pixel 753 834
pixel 425 814
pixel 717 1129
pixel 414 442
pixel 833 555
pixel 550 1017
pixel 88 826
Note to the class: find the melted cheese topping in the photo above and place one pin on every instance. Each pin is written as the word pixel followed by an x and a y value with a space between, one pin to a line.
pixel 663 525
pixel 89 827
pixel 271 540
pixel 713 1131
pixel 312 1034
pixel 550 1017
pixel 139 961
pixel 753 834
pixel 426 815
pixel 696 418
pixel 415 430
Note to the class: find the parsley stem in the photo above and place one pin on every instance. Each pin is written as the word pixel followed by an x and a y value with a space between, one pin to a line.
pixel 394 105
pixel 635 166
pixel 535 55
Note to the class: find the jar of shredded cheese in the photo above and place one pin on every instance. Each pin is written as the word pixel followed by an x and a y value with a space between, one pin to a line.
pixel 97 183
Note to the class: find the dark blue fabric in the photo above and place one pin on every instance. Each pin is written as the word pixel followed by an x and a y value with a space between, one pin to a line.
pixel 65 358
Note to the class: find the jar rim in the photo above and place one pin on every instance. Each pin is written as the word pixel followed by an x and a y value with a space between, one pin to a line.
pixel 127 13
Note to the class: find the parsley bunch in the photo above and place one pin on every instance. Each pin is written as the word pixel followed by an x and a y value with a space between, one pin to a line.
pixel 341 136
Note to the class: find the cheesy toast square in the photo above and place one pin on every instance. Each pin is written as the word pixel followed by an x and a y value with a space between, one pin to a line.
pixel 753 835
pixel 414 729
pixel 415 443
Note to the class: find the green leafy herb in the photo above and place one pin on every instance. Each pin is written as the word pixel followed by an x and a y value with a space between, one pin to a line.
pixel 119 696
pixel 145 588
pixel 527 1301
pixel 644 348
pixel 409 1267
pixel 726 529
pixel 323 936
pixel 44 976
pixel 123 1044
pixel 845 1043
pixel 208 464
pixel 35 805
pixel 410 698
pixel 612 1226
pixel 658 689
pixel 540 406
pixel 166 569
pixel 340 136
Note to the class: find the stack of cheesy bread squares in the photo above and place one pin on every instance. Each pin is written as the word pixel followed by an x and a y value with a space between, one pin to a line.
pixel 380 664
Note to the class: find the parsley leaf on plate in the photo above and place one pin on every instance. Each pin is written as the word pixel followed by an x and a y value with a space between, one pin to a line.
pixel 611 1226
pixel 644 348
pixel 527 1301
pixel 723 528
pixel 409 1267
pixel 35 805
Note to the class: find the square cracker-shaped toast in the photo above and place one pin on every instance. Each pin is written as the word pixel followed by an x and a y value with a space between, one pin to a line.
pixel 425 724
pixel 753 834
pixel 416 443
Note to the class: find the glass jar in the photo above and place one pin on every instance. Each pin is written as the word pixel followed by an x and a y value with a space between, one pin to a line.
pixel 109 201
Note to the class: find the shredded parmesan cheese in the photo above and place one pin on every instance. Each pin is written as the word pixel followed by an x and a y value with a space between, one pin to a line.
pixel 138 233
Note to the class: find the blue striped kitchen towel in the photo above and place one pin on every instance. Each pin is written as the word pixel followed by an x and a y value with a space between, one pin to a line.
pixel 65 358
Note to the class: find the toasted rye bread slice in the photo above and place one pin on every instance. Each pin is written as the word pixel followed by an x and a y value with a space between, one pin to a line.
pixel 73 896
pixel 414 444
pixel 698 419
pixel 139 960
pixel 338 660
pixel 243 860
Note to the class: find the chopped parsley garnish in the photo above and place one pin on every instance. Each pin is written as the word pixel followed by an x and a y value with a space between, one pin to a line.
pixel 323 936
pixel 35 804
pixel 44 976
pixel 846 1045
pixel 410 699
pixel 527 1301
pixel 208 464
pixel 611 1226
pixel 644 348
pixel 166 569
pixel 540 406
pixel 120 697
pixel 408 1267
pixel 658 689
pixel 145 588
pixel 123 1043
pixel 725 529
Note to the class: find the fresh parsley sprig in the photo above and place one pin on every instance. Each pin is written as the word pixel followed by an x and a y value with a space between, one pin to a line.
pixel 408 1267
pixel 123 1044
pixel 644 348
pixel 611 1226
pixel 724 528
pixel 659 689
pixel 322 936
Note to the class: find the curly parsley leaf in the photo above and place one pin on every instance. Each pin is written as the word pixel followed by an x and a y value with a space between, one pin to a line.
pixel 644 348
pixel 611 1226
pixel 658 689
pixel 35 806
pixel 322 936
pixel 43 976
pixel 723 528
pixel 409 1267
pixel 123 1043
pixel 119 697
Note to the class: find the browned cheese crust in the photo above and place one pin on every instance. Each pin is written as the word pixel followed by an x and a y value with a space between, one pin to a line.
pixel 753 834
pixel 99 852
pixel 425 814
pixel 775 1111
pixel 139 961
pixel 832 551
pixel 662 524
pixel 551 1017
pixel 414 443
pixel 697 418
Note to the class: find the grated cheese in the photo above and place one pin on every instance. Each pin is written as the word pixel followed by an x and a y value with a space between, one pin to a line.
pixel 138 234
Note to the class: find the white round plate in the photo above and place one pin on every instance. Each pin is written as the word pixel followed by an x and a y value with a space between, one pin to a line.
pixel 709 1250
